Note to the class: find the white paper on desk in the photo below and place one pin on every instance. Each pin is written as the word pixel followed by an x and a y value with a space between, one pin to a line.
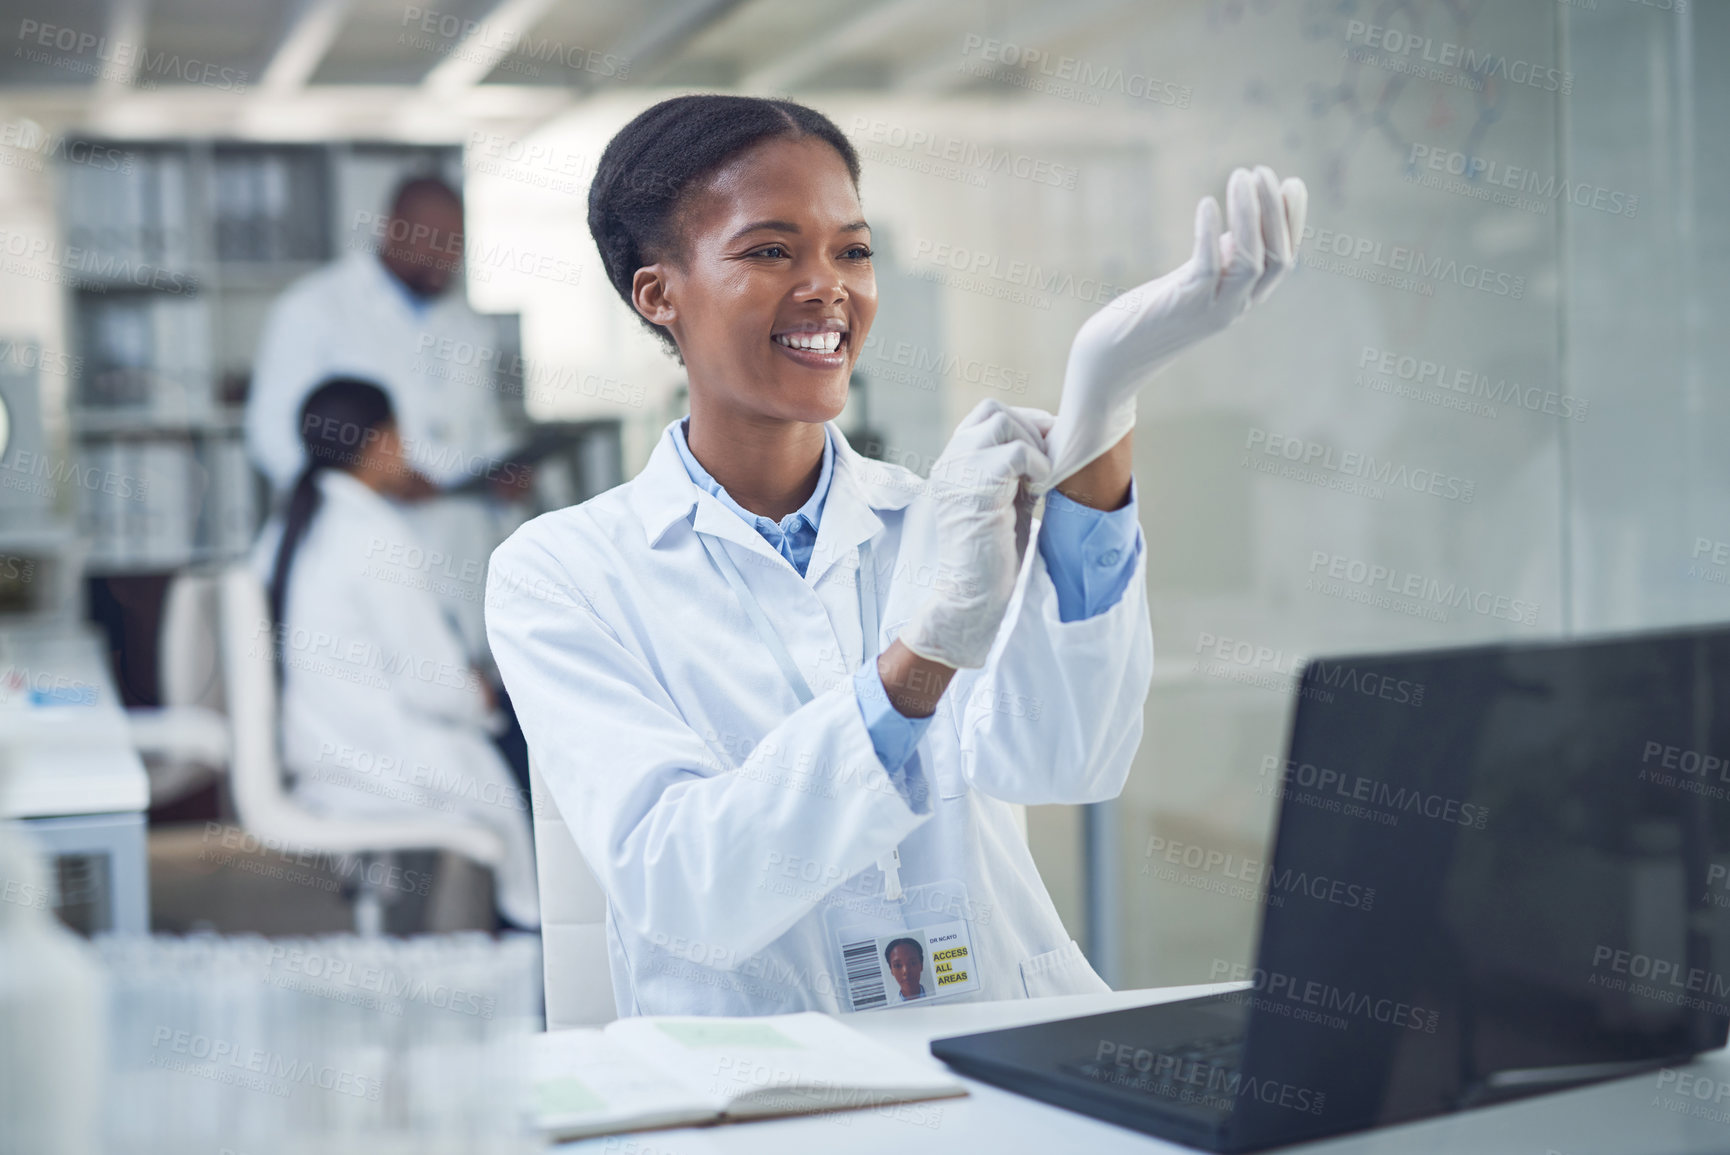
pixel 639 1073
pixel 586 1083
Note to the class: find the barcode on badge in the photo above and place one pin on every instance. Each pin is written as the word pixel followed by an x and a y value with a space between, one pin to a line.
pixel 864 980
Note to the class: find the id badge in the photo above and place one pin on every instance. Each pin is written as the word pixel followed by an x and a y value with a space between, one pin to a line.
pixel 910 952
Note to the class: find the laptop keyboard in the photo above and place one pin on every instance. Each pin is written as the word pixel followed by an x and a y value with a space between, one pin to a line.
pixel 1204 1070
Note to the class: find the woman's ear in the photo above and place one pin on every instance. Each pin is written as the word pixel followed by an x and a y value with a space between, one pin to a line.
pixel 651 294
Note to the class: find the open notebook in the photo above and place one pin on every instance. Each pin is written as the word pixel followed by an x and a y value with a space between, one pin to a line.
pixel 639 1073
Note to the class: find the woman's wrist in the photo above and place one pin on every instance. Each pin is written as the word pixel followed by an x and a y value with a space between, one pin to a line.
pixel 1103 483
pixel 914 684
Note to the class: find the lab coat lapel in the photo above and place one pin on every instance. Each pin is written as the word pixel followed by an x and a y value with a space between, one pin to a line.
pixel 664 495
pixel 374 296
pixel 850 516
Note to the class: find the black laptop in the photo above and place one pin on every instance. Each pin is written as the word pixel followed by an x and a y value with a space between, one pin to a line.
pixel 1498 870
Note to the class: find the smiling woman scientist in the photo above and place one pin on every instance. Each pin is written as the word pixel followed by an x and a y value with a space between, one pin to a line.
pixel 784 695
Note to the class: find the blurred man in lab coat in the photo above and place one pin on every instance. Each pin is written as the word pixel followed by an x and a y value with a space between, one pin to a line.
pixel 387 315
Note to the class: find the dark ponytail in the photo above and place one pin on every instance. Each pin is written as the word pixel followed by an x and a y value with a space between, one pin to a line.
pixel 667 149
pixel 338 421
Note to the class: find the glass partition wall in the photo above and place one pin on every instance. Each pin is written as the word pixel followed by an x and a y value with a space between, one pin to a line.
pixel 1484 407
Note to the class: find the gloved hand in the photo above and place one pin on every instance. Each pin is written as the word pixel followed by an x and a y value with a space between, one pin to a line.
pixel 1120 347
pixel 980 501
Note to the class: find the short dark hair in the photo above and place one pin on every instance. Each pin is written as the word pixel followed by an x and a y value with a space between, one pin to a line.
pixel 421 187
pixel 340 418
pixel 912 942
pixel 667 149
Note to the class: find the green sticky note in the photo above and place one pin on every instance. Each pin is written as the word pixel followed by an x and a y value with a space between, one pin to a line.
pixel 566 1096
pixel 725 1034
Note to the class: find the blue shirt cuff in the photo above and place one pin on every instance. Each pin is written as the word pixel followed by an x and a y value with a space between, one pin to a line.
pixel 893 734
pixel 1089 553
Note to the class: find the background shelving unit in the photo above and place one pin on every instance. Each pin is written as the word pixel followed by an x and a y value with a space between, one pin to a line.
pixel 188 243
pixel 41 552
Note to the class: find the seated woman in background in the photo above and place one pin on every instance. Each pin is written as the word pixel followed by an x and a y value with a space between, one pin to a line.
pixel 382 716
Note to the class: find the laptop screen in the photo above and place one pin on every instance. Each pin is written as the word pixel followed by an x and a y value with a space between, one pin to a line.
pixel 1497 870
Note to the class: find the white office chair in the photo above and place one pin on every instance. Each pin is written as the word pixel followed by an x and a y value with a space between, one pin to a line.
pixel 573 921
pixel 264 805
pixel 185 740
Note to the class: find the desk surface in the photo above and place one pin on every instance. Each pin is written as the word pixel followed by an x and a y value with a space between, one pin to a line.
pixel 64 743
pixel 1650 1114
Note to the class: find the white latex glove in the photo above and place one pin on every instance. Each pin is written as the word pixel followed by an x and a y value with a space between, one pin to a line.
pixel 980 500
pixel 1120 347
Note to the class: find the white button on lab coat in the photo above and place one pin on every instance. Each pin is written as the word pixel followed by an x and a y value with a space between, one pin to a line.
pixel 716 812
pixel 381 714
pixel 350 319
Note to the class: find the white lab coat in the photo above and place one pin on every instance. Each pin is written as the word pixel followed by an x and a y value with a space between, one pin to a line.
pixel 683 764
pixel 350 318
pixel 381 715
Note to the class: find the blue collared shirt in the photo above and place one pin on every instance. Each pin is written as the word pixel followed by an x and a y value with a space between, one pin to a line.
pixel 1089 553
pixel 417 304
pixel 794 536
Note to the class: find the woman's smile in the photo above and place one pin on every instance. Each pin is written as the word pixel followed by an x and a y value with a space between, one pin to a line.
pixel 815 344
